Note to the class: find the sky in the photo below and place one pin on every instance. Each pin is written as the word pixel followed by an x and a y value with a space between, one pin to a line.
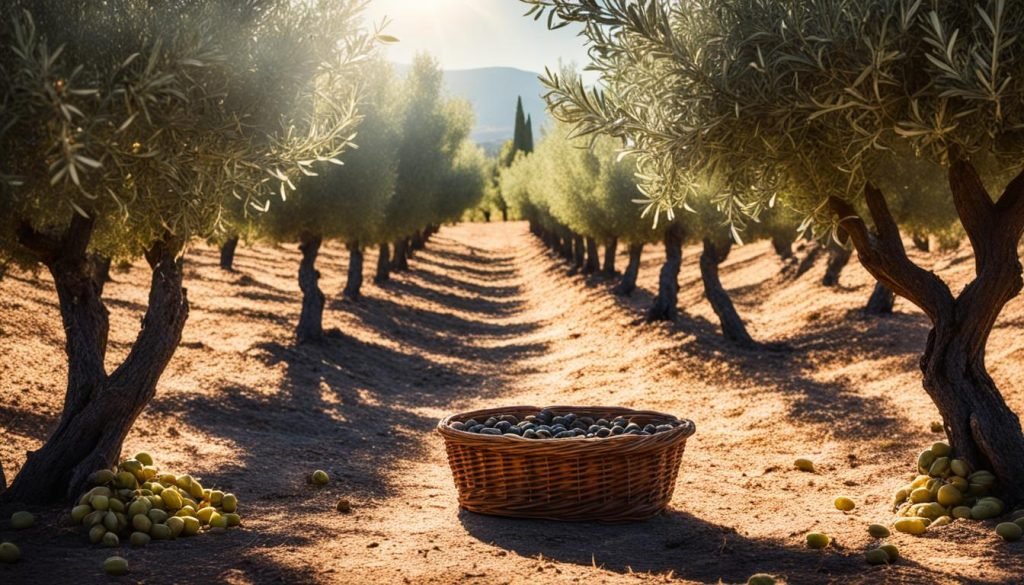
pixel 468 34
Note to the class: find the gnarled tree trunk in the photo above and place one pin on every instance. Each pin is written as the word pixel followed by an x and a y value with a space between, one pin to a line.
pixel 611 248
pixel 311 320
pixel 628 283
pixel 979 424
pixel 593 261
pixel 733 328
pixel 418 240
pixel 566 245
pixel 881 301
pixel 227 254
pixel 354 284
pixel 838 258
pixel 99 409
pixel 664 306
pixel 400 262
pixel 383 264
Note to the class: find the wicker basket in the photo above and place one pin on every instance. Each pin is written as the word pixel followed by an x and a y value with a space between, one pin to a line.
pixel 614 479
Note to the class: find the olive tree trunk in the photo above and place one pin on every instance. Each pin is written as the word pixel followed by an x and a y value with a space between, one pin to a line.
pixel 418 240
pixel 101 272
pixel 664 306
pixel 838 257
pixel 99 408
pixel 611 248
pixel 593 261
pixel 311 320
pixel 579 257
pixel 881 301
pixel 733 328
pixel 813 252
pixel 628 283
pixel 921 242
pixel 354 283
pixel 566 245
pixel 783 246
pixel 978 422
pixel 383 264
pixel 400 262
pixel 227 254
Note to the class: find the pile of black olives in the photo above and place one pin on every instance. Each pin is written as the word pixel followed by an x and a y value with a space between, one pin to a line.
pixel 549 425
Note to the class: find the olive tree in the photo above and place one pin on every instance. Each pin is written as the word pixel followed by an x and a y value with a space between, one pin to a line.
pixel 433 127
pixel 125 130
pixel 819 102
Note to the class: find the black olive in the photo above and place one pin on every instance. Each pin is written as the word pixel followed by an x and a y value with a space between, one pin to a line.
pixel 458 426
pixel 603 432
pixel 486 431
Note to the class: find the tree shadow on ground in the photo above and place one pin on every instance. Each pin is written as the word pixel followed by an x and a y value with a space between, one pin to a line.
pixel 715 554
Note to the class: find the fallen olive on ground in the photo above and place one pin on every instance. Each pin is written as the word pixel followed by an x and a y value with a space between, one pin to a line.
pixel 158 506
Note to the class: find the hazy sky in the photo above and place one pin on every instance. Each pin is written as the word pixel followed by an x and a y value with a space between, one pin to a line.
pixel 466 34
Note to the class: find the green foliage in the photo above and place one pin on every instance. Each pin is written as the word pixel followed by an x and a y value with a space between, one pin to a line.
pixel 800 100
pixel 433 130
pixel 350 201
pixel 156 118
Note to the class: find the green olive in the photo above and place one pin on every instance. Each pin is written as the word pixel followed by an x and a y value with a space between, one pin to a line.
pixel 191 526
pixel 960 467
pixel 320 477
pixel 804 465
pixel 941 449
pixel 78 513
pixel 161 532
pixel 761 579
pixel 138 539
pixel 878 531
pixel 963 512
pixel 845 504
pixel 949 496
pixel 941 521
pixel 115 566
pixel 876 557
pixel 157 516
pixel 139 506
pixel 101 477
pixel 142 523
pixel 940 468
pixel 101 503
pixel 817 540
pixel 96 533
pixel 892 551
pixel 9 553
pixel 172 499
pixel 110 540
pixel 913 525
pixel 110 521
pixel 920 495
pixel 144 458
pixel 925 460
pixel 177 526
pixel 1009 531
pixel 22 520
pixel 230 503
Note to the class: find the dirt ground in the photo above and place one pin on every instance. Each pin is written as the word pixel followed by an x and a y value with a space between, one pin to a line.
pixel 485 318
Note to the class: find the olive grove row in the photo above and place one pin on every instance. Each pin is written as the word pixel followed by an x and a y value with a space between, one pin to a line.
pixel 131 129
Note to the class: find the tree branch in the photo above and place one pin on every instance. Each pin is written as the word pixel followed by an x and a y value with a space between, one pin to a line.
pixel 972 201
pixel 883 255
pixel 1010 207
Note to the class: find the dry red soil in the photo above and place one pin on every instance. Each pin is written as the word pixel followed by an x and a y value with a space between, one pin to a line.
pixel 485 318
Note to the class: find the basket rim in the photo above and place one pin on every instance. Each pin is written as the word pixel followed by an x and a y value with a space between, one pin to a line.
pixel 683 430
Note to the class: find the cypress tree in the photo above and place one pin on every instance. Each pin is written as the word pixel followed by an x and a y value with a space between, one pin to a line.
pixel 519 134
pixel 528 135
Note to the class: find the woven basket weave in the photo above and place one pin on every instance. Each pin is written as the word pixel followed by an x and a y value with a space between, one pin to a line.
pixel 613 479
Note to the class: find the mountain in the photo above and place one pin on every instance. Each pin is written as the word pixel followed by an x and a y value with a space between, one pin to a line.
pixel 493 92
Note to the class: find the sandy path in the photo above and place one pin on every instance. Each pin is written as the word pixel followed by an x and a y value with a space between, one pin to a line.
pixel 488 318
